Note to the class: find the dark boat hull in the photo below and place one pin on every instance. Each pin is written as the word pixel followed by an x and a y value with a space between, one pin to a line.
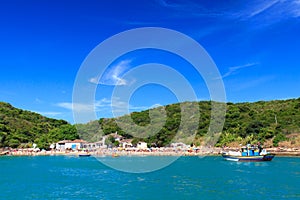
pixel 84 155
pixel 4 153
pixel 267 157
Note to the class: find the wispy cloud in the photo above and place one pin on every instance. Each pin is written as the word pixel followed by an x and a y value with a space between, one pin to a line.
pixel 77 107
pixel 49 114
pixel 235 69
pixel 104 105
pixel 251 15
pixel 263 7
pixel 120 107
pixel 270 11
pixel 113 76
pixel 182 6
pixel 37 100
pixel 296 8
pixel 190 9
pixel 155 105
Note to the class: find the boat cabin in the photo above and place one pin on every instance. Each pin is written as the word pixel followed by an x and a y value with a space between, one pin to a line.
pixel 251 150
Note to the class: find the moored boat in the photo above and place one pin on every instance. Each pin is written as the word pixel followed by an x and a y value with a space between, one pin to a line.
pixel 4 153
pixel 84 154
pixel 249 154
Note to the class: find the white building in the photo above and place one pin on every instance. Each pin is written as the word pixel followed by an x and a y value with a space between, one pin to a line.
pixel 179 145
pixel 70 145
pixel 127 143
pixel 94 145
pixel 142 145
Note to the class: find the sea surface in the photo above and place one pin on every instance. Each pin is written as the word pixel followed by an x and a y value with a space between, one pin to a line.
pixel 67 177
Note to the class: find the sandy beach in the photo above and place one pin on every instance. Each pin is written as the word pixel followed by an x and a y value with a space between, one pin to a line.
pixel 115 152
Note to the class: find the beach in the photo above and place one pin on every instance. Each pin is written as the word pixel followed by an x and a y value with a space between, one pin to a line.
pixel 163 151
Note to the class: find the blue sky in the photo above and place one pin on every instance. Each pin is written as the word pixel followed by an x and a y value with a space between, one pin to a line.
pixel 254 44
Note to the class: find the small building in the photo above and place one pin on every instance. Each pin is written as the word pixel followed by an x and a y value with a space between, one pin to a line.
pixel 94 145
pixel 116 136
pixel 142 145
pixel 126 143
pixel 61 145
pixel 179 145
pixel 70 145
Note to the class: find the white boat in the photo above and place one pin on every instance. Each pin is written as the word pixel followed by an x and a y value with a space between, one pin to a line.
pixel 248 154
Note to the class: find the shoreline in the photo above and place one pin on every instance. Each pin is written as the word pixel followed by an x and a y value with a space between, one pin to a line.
pixel 158 152
pixel 296 155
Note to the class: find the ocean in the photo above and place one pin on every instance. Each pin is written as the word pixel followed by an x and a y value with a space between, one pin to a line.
pixel 211 177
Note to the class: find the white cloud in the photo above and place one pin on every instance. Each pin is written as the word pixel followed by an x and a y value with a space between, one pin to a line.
pixel 295 10
pixel 270 11
pixel 273 11
pixel 78 107
pixel 117 106
pixel 256 14
pixel 94 80
pixel 120 107
pixel 49 114
pixel 85 107
pixel 113 75
pixel 233 70
pixel 37 100
pixel 155 105
pixel 262 8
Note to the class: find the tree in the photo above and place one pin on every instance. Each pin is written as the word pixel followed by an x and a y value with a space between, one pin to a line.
pixel 253 128
pixel 135 141
pixel 64 132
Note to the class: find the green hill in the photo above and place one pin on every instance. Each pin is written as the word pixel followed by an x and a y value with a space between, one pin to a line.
pixel 21 128
pixel 270 122
pixel 264 121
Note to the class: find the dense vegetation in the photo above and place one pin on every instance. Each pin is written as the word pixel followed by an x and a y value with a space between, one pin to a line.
pixel 262 121
pixel 266 121
pixel 20 128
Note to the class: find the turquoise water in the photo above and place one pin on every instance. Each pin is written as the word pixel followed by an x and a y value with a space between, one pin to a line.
pixel 62 177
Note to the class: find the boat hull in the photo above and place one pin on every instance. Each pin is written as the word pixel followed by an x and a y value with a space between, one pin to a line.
pixel 261 158
pixel 4 153
pixel 84 155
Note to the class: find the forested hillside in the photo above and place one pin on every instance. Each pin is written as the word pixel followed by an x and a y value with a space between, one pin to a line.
pixel 21 128
pixel 271 122
pixel 262 121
